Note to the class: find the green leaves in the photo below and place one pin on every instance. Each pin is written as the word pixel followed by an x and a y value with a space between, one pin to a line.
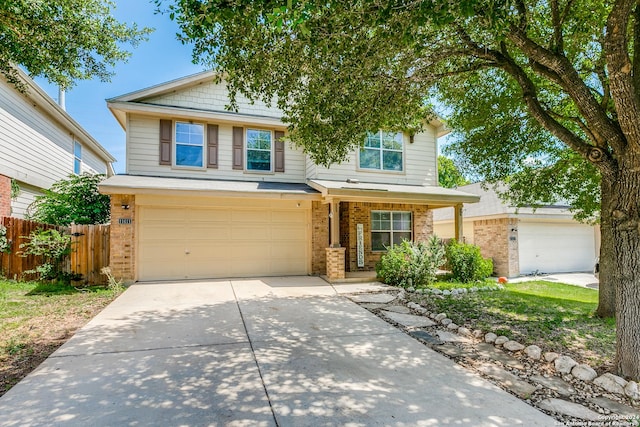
pixel 73 200
pixel 449 176
pixel 337 69
pixel 466 262
pixel 63 40
pixel 411 263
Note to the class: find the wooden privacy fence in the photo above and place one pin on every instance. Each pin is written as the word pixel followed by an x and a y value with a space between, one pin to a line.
pixel 89 250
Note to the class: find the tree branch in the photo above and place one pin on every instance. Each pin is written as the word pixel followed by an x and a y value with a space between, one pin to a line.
pixel 557 45
pixel 577 121
pixel 598 156
pixel 570 81
pixel 623 89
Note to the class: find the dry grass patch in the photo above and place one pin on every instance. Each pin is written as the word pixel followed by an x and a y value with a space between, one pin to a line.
pixel 36 319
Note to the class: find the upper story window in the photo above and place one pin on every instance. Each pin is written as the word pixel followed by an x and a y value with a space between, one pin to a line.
pixel 189 144
pixel 382 151
pixel 389 228
pixel 77 158
pixel 259 150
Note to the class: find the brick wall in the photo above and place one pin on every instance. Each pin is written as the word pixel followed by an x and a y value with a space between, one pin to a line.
pixel 335 263
pixel 498 242
pixel 320 237
pixel 353 213
pixel 122 259
pixel 5 196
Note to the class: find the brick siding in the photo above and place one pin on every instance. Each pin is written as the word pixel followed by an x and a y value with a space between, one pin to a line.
pixel 320 237
pixel 122 259
pixel 335 263
pixel 498 242
pixel 5 196
pixel 353 213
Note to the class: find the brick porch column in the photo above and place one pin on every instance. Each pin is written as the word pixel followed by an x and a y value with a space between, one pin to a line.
pixel 335 263
pixel 5 196
pixel 122 237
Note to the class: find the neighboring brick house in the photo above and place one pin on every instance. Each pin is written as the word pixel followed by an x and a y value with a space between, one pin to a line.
pixel 523 241
pixel 40 144
pixel 210 193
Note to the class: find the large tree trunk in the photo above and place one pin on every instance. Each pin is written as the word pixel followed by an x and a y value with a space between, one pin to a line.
pixel 620 260
pixel 607 286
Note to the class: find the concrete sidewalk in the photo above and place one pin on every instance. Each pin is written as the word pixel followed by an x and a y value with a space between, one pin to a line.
pixel 256 352
pixel 585 280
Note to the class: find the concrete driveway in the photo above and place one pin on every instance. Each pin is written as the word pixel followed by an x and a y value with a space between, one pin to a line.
pixel 256 352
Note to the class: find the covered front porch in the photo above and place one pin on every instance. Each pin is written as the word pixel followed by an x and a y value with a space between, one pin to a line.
pixel 365 218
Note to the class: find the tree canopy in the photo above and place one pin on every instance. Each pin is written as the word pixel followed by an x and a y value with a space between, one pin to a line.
pixel 556 82
pixel 63 40
pixel 72 200
pixel 449 176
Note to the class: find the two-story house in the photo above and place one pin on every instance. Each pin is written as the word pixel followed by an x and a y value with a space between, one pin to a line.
pixel 40 144
pixel 211 193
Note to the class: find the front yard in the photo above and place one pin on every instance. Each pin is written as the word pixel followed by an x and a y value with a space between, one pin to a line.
pixel 36 319
pixel 554 316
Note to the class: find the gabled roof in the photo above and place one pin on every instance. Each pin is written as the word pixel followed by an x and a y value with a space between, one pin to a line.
pixel 117 103
pixel 166 87
pixel 491 205
pixel 44 101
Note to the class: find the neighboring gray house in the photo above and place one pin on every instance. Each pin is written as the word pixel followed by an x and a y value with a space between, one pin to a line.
pixel 523 241
pixel 40 144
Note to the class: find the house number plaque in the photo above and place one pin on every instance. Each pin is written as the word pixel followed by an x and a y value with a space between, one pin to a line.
pixel 360 244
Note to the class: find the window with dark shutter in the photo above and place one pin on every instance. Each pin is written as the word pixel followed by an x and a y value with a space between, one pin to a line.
pixel 279 151
pixel 238 148
pixel 166 132
pixel 212 146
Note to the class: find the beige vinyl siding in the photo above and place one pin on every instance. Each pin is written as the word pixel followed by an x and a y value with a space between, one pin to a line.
pixel 311 168
pixel 34 148
pixel 91 162
pixel 419 165
pixel 446 230
pixel 21 203
pixel 212 97
pixel 143 156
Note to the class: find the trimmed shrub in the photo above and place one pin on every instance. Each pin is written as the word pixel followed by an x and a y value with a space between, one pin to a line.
pixel 411 264
pixel 466 262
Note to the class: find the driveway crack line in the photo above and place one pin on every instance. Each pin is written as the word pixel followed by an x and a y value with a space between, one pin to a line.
pixel 255 359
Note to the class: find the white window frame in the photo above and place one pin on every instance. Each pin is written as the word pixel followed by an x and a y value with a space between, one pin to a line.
pixel 247 149
pixel 176 143
pixel 391 231
pixel 399 136
pixel 77 157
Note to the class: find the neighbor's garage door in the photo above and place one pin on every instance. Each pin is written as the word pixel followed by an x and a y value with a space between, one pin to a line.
pixel 187 242
pixel 555 247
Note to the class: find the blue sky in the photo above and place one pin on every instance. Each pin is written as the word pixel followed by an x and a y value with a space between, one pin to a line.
pixel 160 59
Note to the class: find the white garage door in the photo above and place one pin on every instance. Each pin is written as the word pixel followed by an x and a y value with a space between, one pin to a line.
pixel 187 242
pixel 555 247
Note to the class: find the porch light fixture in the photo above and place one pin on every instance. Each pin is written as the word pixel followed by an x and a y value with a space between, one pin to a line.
pixel 125 206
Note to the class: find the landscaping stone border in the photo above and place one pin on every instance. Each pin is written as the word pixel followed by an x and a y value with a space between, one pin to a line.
pixel 557 384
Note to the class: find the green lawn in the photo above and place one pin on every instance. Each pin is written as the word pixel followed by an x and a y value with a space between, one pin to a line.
pixel 554 316
pixel 36 319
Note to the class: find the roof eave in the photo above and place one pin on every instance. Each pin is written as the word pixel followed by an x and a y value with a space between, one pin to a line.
pixel 120 108
pixel 111 189
pixel 166 87
pixel 42 99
